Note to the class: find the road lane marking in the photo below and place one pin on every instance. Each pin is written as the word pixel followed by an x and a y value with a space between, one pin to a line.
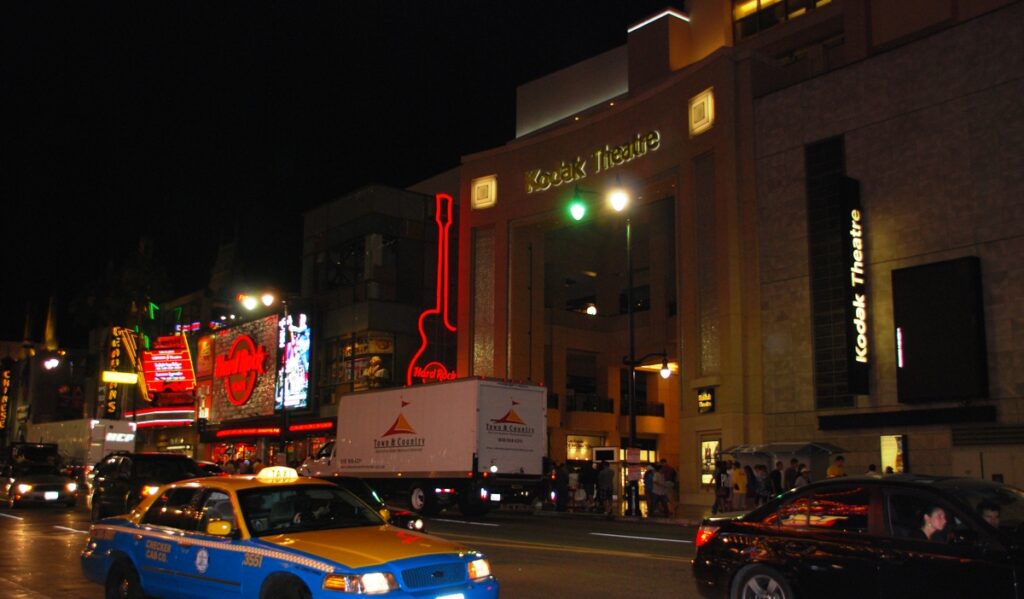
pixel 604 534
pixel 81 532
pixel 10 516
pixel 465 522
pixel 565 548
pixel 9 584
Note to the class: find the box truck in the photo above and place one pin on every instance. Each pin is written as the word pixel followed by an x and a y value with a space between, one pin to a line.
pixel 84 441
pixel 471 442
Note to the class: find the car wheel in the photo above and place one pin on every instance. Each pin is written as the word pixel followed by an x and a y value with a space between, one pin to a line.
pixel 284 587
pixel 123 583
pixel 422 500
pixel 760 582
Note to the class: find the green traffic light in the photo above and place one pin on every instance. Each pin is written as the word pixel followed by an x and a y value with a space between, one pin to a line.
pixel 578 210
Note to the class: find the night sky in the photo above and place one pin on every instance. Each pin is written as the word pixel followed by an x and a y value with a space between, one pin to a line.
pixel 190 122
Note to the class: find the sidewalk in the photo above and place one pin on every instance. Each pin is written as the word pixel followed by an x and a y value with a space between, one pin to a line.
pixel 685 515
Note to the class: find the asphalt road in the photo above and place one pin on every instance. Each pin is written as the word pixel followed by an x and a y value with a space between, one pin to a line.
pixel 534 556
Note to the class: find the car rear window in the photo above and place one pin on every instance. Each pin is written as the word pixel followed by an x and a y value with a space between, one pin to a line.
pixel 842 508
pixel 166 470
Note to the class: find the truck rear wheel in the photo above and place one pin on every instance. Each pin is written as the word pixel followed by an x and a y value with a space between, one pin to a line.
pixel 423 500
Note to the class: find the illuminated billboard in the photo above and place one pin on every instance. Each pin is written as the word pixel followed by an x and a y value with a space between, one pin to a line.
pixel 293 342
pixel 244 375
pixel 168 367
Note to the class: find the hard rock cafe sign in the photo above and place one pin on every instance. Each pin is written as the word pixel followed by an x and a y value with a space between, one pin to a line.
pixel 433 372
pixel 240 367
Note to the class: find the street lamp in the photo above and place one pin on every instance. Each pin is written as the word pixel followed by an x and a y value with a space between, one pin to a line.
pixel 251 302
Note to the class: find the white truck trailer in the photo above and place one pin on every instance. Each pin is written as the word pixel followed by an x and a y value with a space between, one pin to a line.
pixel 473 442
pixel 84 441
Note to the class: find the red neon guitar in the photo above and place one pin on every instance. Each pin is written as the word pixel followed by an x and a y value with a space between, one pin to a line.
pixel 421 368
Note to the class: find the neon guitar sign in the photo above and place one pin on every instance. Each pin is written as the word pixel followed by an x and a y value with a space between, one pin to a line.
pixel 432 370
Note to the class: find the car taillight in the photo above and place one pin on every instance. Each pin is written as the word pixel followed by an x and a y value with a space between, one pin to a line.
pixel 705 533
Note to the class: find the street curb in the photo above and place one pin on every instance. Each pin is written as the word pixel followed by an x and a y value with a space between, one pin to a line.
pixel 683 521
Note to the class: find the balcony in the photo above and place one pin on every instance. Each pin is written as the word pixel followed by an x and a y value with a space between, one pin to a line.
pixel 590 412
pixel 650 418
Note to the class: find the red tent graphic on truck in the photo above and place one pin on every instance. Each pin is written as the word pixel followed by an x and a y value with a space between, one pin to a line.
pixel 401 426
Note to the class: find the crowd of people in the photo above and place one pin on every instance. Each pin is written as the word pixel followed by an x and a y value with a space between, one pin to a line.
pixel 591 488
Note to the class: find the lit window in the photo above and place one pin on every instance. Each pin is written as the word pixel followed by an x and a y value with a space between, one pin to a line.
pixel 702 112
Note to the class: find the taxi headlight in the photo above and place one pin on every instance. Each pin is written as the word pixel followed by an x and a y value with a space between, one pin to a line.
pixel 71 487
pixel 23 488
pixel 479 568
pixel 372 583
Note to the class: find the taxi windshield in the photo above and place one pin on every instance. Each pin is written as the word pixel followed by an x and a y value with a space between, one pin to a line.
pixel 278 509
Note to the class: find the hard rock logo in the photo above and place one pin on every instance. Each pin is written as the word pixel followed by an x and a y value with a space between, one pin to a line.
pixel 240 368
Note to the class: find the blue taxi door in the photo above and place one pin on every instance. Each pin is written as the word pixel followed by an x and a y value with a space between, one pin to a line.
pixel 155 544
pixel 209 565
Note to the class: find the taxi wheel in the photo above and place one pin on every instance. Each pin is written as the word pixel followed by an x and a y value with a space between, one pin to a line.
pixel 123 583
pixel 283 586
pixel 760 582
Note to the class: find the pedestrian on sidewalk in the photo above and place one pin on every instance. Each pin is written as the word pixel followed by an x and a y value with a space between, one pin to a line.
pixel 739 486
pixel 660 493
pixel 605 487
pixel 561 487
pixel 722 484
pixel 789 480
pixel 649 489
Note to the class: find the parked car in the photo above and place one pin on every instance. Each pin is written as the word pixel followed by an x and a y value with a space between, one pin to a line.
pixel 273 535
pixel 870 536
pixel 394 515
pixel 122 480
pixel 27 482
pixel 211 468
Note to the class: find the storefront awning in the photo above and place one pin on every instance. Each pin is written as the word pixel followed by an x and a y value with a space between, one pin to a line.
pixel 773 449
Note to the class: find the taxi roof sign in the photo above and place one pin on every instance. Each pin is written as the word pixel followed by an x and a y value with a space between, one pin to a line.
pixel 277 474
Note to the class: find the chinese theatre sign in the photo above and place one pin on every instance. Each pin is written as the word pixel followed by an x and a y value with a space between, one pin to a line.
pixel 599 160
pixel 244 376
pixel 5 395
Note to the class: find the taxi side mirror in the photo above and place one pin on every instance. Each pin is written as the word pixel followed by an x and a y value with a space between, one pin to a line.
pixel 219 528
pixel 385 513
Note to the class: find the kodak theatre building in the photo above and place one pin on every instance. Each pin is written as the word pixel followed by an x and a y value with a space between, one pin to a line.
pixel 823 240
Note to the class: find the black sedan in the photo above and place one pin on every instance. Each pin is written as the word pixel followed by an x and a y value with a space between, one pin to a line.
pixel 26 483
pixel 394 515
pixel 871 536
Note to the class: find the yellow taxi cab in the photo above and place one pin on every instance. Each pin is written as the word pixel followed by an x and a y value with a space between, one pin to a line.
pixel 274 535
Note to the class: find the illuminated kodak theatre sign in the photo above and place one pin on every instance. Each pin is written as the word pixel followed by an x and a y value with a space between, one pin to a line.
pixel 858 293
pixel 600 160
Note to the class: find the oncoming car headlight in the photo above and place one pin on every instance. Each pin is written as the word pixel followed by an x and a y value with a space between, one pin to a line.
pixel 150 490
pixel 23 488
pixel 478 569
pixel 371 583
pixel 71 487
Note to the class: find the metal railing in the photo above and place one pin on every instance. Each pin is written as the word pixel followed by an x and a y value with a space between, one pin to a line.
pixel 589 402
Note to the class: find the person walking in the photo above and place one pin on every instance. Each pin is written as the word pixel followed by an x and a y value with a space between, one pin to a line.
pixel 838 468
pixel 649 489
pixel 789 476
pixel 561 487
pixel 606 488
pixel 804 478
pixel 776 479
pixel 739 486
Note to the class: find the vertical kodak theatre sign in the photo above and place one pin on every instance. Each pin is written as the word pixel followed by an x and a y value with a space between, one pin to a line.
pixel 857 308
pixel 599 160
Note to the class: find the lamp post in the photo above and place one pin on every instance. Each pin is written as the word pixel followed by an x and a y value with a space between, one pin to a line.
pixel 251 302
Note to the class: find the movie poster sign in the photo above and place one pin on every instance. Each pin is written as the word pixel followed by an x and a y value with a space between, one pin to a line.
pixel 293 343
pixel 244 370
